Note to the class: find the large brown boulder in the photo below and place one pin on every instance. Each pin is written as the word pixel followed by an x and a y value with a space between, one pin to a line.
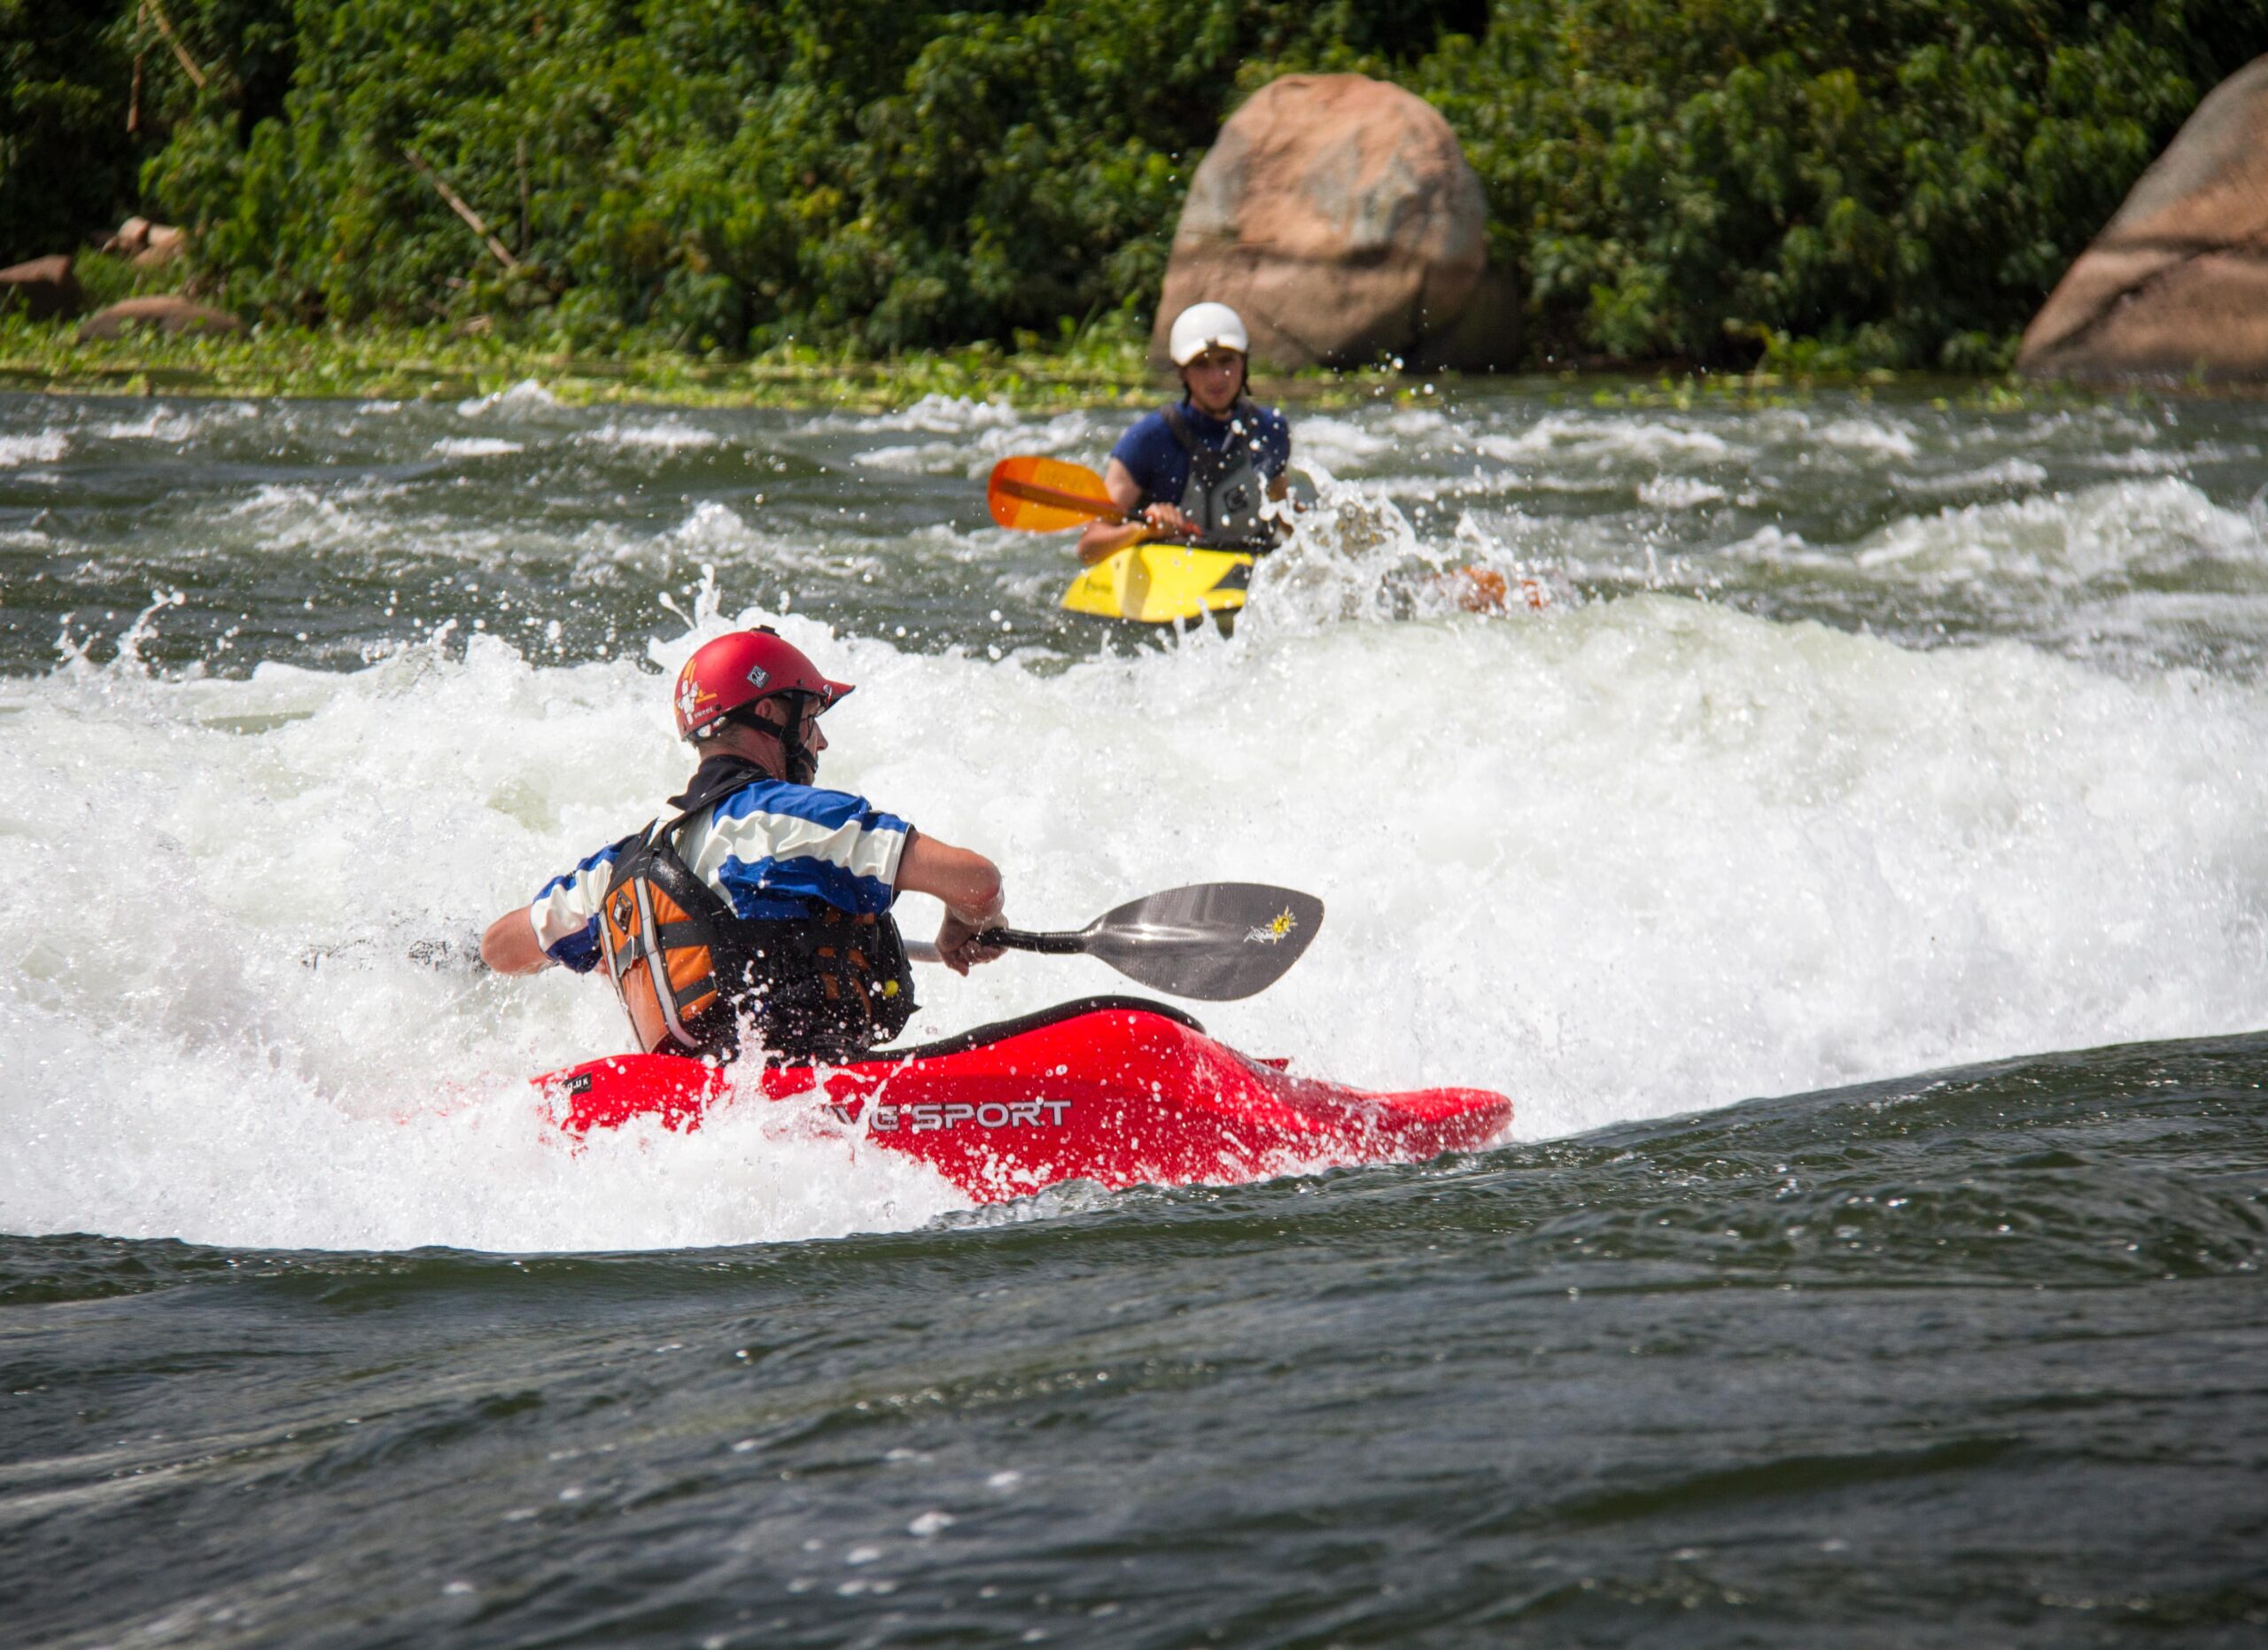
pixel 1338 216
pixel 2177 281
pixel 168 312
pixel 45 288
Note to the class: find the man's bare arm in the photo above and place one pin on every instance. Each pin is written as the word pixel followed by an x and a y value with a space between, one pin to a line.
pixel 968 883
pixel 509 946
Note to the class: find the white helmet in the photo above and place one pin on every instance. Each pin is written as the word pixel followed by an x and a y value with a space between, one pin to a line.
pixel 1201 327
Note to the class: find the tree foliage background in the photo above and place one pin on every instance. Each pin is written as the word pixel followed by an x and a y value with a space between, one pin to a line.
pixel 1898 182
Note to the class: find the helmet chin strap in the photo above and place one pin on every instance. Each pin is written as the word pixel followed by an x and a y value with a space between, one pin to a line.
pixel 801 760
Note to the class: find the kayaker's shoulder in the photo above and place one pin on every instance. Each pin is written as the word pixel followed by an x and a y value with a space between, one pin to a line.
pixel 812 802
pixel 1151 432
pixel 1275 429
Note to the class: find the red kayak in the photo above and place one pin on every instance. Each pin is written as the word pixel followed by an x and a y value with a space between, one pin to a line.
pixel 1112 1089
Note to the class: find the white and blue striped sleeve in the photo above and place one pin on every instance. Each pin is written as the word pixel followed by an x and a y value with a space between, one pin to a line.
pixel 565 911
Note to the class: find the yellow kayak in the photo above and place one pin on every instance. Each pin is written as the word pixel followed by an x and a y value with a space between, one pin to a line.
pixel 1160 583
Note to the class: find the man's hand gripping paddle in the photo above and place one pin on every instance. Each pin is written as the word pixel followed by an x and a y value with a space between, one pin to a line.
pixel 1212 941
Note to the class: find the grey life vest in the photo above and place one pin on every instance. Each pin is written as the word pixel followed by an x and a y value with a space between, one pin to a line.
pixel 1225 489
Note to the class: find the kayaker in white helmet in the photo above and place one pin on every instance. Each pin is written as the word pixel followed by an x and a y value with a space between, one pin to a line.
pixel 1200 469
pixel 764 900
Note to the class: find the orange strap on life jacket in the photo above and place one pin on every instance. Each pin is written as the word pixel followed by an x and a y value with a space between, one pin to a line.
pixel 662 958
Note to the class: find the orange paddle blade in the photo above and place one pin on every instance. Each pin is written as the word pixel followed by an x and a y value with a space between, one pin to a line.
pixel 1047 495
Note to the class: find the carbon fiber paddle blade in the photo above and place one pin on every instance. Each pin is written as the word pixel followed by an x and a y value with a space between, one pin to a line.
pixel 1213 941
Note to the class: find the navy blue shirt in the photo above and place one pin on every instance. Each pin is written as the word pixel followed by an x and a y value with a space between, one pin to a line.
pixel 1160 469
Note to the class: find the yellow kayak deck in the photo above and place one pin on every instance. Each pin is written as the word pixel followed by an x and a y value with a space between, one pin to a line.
pixel 1159 583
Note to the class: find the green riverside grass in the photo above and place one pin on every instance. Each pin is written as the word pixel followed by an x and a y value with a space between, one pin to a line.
pixel 451 362
pixel 410 363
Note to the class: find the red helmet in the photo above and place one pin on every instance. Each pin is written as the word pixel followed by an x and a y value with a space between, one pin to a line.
pixel 740 669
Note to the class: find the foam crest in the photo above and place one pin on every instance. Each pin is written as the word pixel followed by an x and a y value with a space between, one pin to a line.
pixel 663 436
pixel 2006 473
pixel 1337 444
pixel 1877 437
pixel 943 415
pixel 2114 534
pixel 474 447
pixel 295 515
pixel 1678 493
pixel 1355 556
pixel 46 448
pixel 714 534
pixel 520 400
pixel 177 426
pixel 985 445
pixel 1563 435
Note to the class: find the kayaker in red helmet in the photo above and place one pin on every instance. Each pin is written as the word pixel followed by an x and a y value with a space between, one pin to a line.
pixel 764 902
pixel 1201 468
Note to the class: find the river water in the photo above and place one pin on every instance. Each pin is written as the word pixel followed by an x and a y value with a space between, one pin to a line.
pixel 1863 756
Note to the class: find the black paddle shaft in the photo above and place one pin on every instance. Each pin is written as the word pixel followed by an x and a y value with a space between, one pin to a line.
pixel 1052 944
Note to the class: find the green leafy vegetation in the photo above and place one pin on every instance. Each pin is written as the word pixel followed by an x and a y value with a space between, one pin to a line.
pixel 1104 365
pixel 1826 184
pixel 1814 187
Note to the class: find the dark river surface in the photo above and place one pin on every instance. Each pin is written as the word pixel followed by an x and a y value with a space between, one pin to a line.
pixel 1866 752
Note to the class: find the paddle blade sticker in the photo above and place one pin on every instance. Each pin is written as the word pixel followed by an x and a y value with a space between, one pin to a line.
pixel 1035 495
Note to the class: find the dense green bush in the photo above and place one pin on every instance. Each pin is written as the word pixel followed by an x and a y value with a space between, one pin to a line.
pixel 1897 183
pixel 726 174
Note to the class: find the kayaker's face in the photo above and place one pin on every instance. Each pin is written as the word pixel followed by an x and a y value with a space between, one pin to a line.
pixel 814 741
pixel 1214 380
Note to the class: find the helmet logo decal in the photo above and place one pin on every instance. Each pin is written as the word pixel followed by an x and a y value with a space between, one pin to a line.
pixel 1269 933
pixel 757 676
pixel 689 696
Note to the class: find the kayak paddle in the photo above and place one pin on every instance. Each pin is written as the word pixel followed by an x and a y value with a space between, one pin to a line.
pixel 1212 941
pixel 1047 494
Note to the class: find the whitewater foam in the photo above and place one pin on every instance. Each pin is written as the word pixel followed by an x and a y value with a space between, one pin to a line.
pixel 984 443
pixel 43 448
pixel 518 400
pixel 1619 858
pixel 940 414
pixel 1638 857
pixel 663 436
